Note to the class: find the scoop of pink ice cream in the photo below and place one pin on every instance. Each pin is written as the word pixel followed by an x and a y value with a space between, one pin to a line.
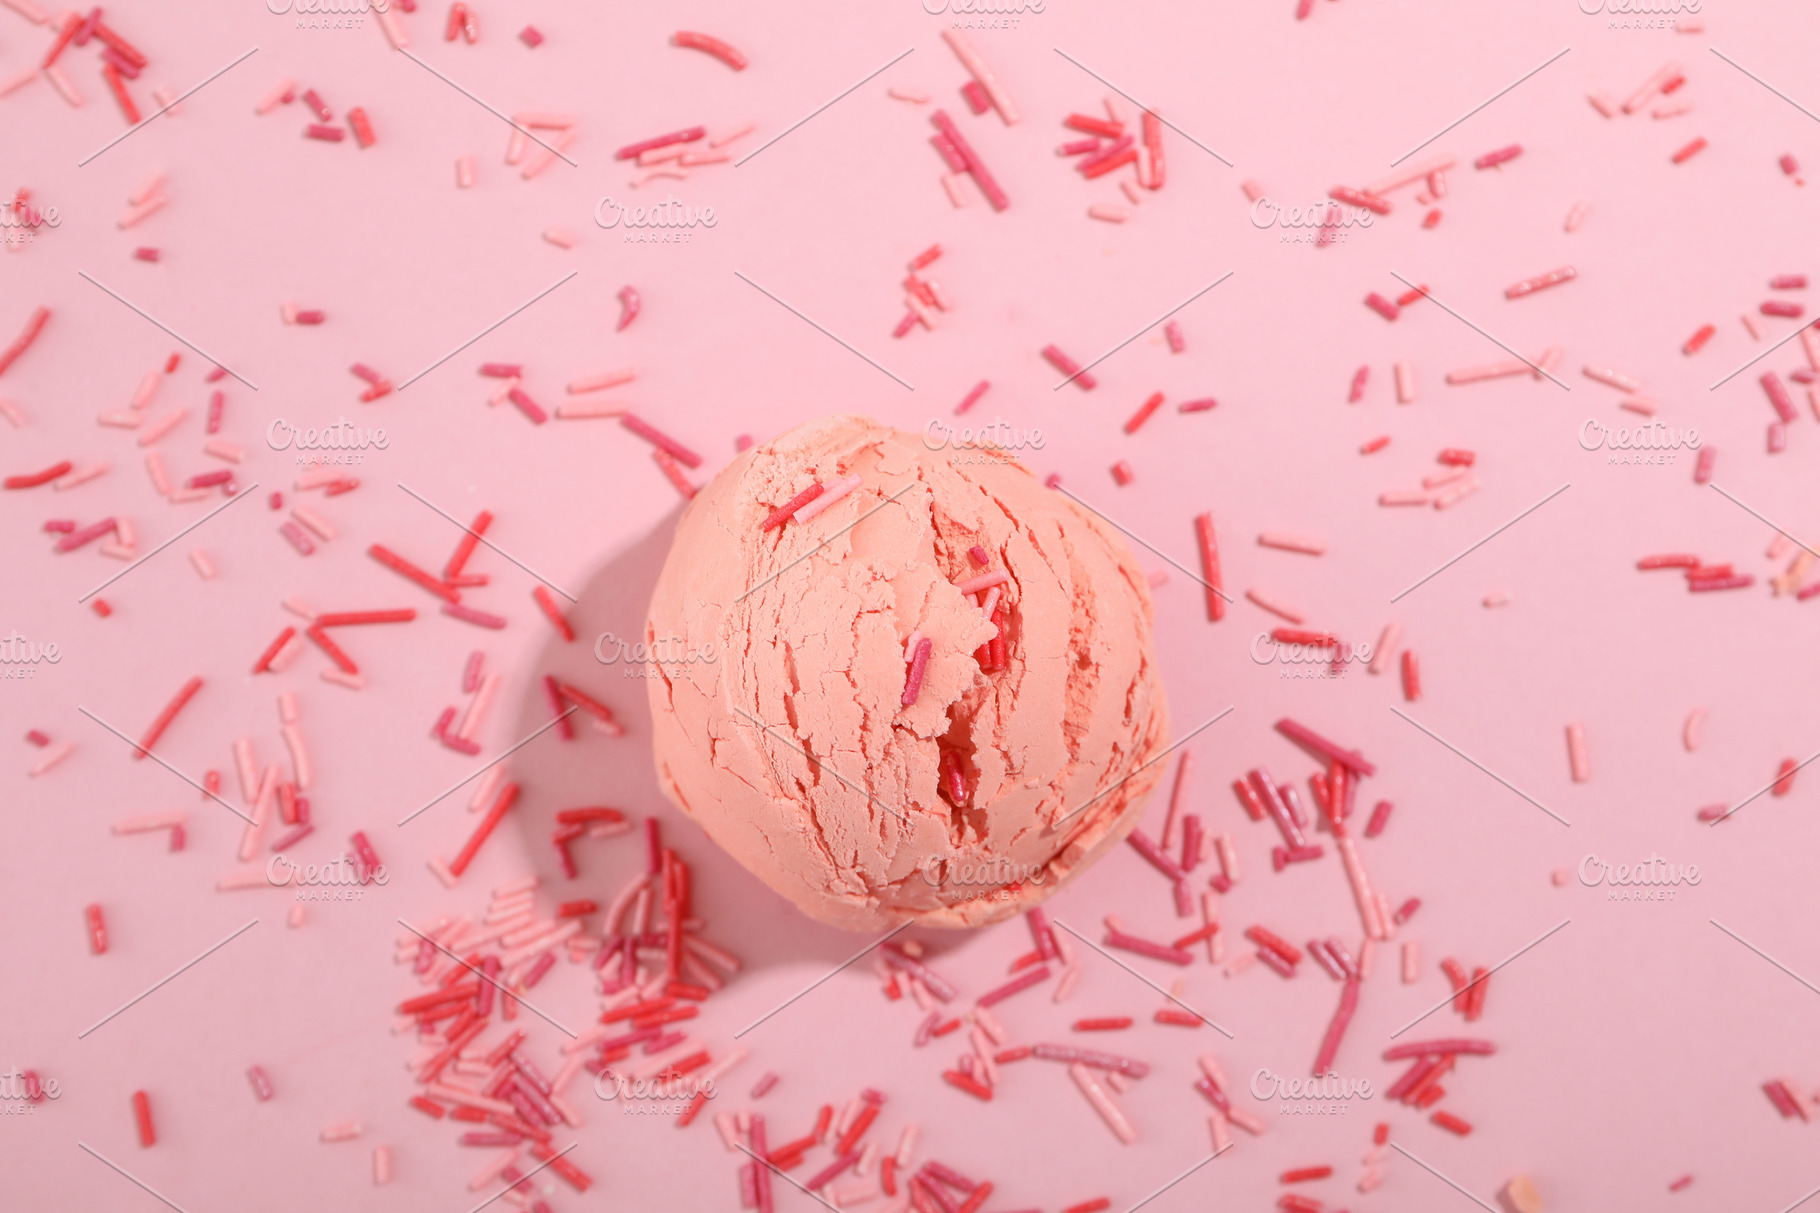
pixel 778 720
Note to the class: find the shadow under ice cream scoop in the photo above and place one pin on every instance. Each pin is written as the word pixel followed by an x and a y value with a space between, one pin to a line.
pixel 869 742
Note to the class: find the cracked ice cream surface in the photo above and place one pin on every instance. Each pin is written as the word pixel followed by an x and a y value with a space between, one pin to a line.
pixel 793 750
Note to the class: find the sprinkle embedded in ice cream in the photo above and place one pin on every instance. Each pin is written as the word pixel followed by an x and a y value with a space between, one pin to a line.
pixel 795 751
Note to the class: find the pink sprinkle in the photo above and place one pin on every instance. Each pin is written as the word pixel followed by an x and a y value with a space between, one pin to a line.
pixel 1070 368
pixel 629 305
pixel 1681 1183
pixel 1122 473
pixel 530 37
pixel 783 512
pixel 1779 307
pixel 837 490
pixel 1357 392
pixel 1197 406
pixel 972 397
pixel 146 254
pixel 1381 306
pixel 1503 154
pixel 1529 286
pixel 1173 333
pixel 313 316
pixel 38 738
pixel 913 685
pixel 328 134
pixel 1788 282
pixel 470 615
pixel 662 441
pixel 299 539
pixel 984 581
pixel 527 406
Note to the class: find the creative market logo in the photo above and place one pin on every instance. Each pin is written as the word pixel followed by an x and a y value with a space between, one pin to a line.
pixel 328 14
pixel 1325 222
pixel 20 657
pixel 1655 879
pixel 1323 1096
pixel 668 222
pixel 1651 445
pixel 983 14
pixel 1308 654
pixel 651 659
pixel 1640 14
pixel 341 443
pixel 982 443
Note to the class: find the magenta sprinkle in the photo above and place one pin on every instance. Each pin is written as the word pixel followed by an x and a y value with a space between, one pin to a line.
pixel 1422 1048
pixel 1030 977
pixel 1144 947
pixel 1309 739
pixel 913 685
pixel 662 441
pixel 469 615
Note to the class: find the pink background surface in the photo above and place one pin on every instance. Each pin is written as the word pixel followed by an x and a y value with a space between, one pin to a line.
pixel 1632 1043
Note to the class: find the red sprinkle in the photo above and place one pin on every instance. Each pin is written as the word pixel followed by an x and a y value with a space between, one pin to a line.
pixel 713 46
pixel 1144 411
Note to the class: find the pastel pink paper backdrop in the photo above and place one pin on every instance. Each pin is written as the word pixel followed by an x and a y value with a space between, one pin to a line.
pixel 1632 1042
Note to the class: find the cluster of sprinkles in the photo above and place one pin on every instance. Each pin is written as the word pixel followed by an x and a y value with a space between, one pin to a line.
pixel 1104 145
pixel 654 968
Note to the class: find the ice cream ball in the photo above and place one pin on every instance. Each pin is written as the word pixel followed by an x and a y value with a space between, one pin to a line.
pixel 780 671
